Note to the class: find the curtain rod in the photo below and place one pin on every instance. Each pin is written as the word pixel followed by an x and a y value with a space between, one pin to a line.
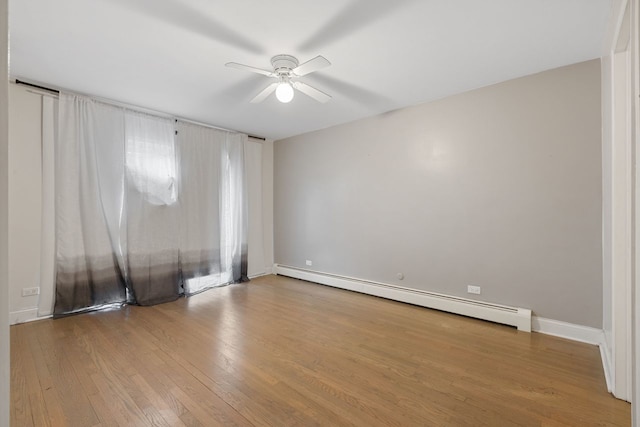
pixel 56 91
pixel 20 82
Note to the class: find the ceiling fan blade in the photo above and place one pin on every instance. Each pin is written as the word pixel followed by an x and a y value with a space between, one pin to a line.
pixel 265 92
pixel 251 69
pixel 312 92
pixel 315 64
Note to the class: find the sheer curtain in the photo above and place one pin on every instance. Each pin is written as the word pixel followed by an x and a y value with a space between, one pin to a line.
pixel 213 218
pixel 234 214
pixel 146 208
pixel 151 209
pixel 200 224
pixel 89 175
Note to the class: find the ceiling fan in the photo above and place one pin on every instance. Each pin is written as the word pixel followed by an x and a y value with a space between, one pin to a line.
pixel 286 70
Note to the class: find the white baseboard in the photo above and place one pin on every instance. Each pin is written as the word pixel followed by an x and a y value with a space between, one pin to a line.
pixel 566 330
pixel 267 271
pixel 606 364
pixel 24 316
pixel 518 317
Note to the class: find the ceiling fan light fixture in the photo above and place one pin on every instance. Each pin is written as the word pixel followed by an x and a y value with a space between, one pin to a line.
pixel 284 92
pixel 286 68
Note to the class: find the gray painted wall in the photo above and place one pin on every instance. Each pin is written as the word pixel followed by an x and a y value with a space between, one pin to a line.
pixel 25 197
pixel 499 187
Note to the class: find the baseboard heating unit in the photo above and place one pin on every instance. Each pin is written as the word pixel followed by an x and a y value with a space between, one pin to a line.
pixel 513 316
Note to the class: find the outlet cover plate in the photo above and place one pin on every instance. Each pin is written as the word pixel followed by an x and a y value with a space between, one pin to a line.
pixel 473 289
pixel 27 292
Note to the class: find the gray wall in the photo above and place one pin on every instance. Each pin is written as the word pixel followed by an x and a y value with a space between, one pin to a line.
pixel 499 187
pixel 25 197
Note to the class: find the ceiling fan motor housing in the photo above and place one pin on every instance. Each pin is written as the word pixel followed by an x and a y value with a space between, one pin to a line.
pixel 283 64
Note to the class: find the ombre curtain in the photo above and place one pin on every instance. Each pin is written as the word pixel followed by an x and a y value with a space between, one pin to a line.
pixel 214 235
pixel 147 208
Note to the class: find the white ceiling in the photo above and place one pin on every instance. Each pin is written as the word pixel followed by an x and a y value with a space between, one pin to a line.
pixel 169 55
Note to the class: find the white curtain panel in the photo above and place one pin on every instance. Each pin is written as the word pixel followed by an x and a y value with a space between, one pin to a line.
pixel 151 211
pixel 201 230
pixel 213 229
pixel 89 178
pixel 147 208
pixel 234 208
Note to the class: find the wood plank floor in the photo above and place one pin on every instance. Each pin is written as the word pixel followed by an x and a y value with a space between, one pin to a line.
pixel 283 352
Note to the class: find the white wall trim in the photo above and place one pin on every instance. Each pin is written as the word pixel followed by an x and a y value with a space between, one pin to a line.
pixel 267 271
pixel 613 26
pixel 605 351
pixel 618 199
pixel 566 330
pixel 24 316
pixel 518 317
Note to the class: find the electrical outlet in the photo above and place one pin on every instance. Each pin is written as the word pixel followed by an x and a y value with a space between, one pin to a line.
pixel 27 292
pixel 309 263
pixel 473 289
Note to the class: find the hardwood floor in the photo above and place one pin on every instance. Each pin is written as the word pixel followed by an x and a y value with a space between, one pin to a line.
pixel 283 352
